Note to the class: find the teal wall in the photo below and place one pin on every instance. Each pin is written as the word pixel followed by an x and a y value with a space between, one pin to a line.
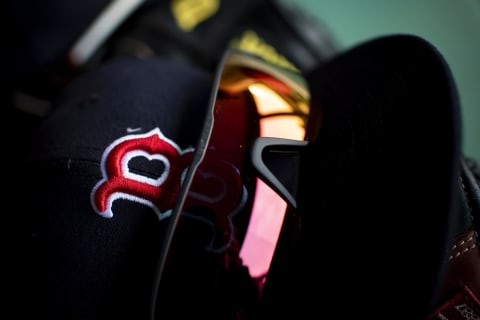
pixel 453 26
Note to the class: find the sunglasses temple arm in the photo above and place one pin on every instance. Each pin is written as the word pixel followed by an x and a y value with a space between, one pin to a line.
pixel 274 159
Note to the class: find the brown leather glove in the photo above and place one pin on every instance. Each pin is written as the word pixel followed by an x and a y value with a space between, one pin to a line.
pixel 459 297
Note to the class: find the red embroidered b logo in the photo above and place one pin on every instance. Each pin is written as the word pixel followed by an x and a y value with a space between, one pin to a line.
pixel 119 181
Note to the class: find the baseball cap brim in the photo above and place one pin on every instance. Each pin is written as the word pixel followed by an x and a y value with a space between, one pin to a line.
pixel 376 196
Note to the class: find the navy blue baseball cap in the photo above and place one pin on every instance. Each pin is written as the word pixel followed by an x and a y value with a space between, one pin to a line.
pixel 369 190
pixel 106 164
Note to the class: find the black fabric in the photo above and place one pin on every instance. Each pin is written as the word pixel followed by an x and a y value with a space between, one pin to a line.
pixel 470 188
pixel 279 30
pixel 41 32
pixel 376 196
pixel 39 36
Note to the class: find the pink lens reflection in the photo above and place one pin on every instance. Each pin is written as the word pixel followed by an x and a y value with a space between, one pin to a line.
pixel 268 208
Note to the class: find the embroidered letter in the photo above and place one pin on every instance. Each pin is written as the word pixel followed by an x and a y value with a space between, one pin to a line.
pixel 119 181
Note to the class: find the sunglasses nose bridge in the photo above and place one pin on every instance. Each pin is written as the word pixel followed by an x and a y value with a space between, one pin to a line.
pixel 276 161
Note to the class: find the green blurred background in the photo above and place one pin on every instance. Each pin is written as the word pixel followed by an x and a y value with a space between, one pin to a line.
pixel 453 26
